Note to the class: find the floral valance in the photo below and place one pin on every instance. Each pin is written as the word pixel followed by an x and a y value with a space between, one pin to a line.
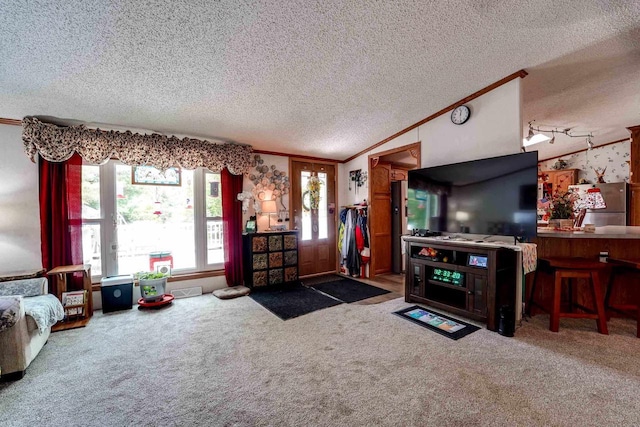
pixel 57 144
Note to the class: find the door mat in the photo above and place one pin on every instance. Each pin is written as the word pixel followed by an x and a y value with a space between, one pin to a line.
pixel 291 301
pixel 437 322
pixel 348 290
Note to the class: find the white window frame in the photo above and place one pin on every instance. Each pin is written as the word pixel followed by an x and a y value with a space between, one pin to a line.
pixel 108 222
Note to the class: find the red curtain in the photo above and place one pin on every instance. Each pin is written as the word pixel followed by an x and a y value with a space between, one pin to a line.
pixel 232 227
pixel 61 212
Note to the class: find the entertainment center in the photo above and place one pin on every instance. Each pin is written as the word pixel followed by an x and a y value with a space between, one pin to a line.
pixel 466 219
pixel 469 278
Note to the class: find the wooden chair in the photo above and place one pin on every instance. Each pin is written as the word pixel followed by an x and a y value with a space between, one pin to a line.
pixel 631 307
pixel 572 268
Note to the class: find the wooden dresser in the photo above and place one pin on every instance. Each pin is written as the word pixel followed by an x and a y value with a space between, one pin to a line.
pixel 270 258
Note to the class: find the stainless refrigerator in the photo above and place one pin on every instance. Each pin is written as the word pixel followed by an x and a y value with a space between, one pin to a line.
pixel 616 198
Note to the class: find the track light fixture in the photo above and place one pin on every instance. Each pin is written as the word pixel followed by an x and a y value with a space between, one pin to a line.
pixel 535 135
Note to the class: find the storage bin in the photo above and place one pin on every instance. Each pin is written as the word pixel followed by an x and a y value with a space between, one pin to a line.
pixel 117 293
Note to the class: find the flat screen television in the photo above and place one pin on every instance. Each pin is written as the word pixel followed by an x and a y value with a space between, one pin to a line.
pixel 494 196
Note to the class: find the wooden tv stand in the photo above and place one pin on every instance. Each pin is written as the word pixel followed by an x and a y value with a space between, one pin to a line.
pixel 450 282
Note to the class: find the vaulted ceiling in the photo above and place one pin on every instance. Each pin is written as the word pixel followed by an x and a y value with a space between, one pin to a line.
pixel 319 78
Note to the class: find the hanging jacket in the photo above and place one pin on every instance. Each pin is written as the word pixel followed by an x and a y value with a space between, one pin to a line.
pixel 353 255
pixel 341 230
pixel 359 236
pixel 362 219
pixel 348 232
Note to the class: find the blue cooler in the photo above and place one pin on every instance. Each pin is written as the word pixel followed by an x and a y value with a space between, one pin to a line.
pixel 117 293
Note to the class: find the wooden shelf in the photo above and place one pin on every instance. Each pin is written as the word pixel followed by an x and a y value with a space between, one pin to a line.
pixel 447 285
pixel 270 258
pixel 483 291
pixel 59 276
pixel 71 324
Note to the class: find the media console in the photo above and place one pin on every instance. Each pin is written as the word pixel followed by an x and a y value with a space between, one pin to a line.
pixel 470 279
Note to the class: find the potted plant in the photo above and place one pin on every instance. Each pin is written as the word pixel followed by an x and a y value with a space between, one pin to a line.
pixel 152 285
pixel 561 209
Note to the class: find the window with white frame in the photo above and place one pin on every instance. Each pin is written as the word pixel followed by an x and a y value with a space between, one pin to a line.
pixel 130 227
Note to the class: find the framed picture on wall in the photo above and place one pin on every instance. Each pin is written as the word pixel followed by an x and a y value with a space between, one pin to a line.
pixel 148 175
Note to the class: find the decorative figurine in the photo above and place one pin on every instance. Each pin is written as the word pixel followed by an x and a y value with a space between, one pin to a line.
pixel 599 174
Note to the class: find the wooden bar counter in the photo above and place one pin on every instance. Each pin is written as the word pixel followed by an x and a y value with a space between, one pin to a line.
pixel 619 241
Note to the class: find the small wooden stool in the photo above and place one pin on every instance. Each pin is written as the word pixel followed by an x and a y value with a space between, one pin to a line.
pixel 572 268
pixel 620 265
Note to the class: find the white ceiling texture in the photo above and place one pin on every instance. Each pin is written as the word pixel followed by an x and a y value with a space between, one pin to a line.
pixel 318 78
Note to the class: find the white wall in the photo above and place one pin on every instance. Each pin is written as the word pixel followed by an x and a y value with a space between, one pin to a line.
pixel 19 206
pixel 282 164
pixel 494 129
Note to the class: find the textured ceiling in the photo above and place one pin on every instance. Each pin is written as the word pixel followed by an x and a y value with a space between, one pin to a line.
pixel 594 90
pixel 321 78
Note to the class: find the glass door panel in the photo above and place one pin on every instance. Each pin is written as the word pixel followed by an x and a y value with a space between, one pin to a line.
pixel 322 220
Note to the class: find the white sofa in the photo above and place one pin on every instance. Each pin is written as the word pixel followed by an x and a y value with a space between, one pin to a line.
pixel 21 342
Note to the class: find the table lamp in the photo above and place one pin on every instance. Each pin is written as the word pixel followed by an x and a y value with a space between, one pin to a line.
pixel 269 207
pixel 595 199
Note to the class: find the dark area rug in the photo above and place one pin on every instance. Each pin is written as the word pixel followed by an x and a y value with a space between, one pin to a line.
pixel 437 322
pixel 292 301
pixel 348 290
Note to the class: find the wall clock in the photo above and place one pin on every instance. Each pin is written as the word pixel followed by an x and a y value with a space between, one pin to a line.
pixel 460 114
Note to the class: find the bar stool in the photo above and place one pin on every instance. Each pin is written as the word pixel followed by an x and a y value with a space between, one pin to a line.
pixel 619 266
pixel 572 268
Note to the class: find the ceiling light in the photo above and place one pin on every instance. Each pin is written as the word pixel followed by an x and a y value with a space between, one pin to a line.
pixel 531 134
pixel 535 139
pixel 534 136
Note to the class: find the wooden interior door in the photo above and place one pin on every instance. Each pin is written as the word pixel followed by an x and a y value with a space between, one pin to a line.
pixel 316 227
pixel 380 218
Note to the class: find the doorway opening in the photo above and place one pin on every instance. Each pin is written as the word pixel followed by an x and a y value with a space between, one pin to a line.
pixel 388 172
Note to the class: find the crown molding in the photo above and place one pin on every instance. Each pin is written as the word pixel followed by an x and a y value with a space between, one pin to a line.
pixel 583 149
pixel 10 122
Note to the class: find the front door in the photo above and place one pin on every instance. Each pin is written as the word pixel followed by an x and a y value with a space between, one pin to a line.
pixel 314 215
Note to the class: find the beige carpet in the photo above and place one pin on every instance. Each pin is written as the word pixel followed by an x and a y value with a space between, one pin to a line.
pixel 205 361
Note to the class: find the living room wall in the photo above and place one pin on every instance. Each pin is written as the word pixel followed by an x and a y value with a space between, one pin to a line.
pixel 19 211
pixel 281 164
pixel 494 129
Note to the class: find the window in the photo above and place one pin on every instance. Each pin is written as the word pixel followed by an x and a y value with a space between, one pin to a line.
pixel 129 227
pixel 91 219
pixel 321 217
pixel 215 252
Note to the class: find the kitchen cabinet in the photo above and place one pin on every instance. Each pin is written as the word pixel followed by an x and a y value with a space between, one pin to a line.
pixel 559 180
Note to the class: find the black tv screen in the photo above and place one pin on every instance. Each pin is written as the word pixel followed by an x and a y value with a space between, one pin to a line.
pixel 494 196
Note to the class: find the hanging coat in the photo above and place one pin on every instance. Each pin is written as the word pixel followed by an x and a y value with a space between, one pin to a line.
pixel 341 231
pixel 353 255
